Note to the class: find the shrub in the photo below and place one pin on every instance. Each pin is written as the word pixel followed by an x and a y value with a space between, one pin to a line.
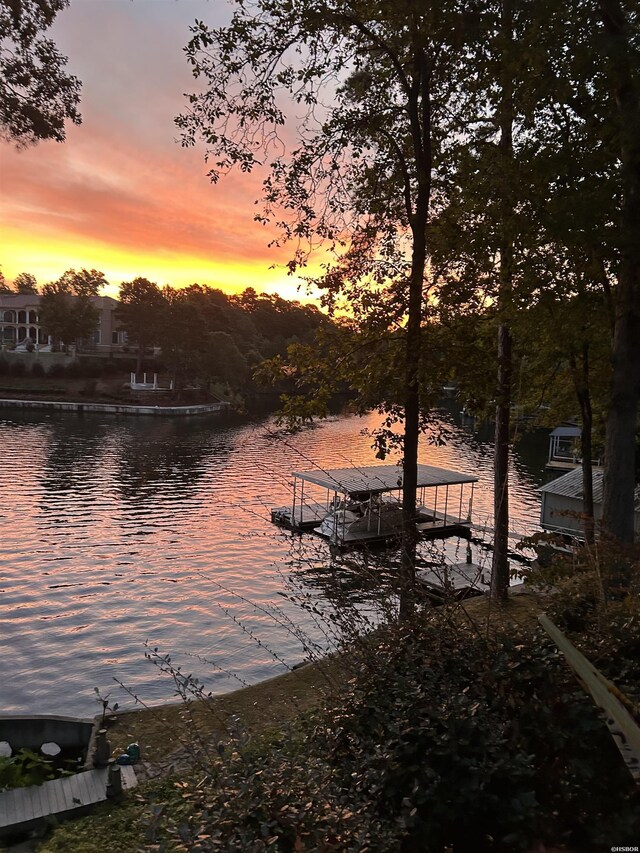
pixel 73 370
pixel 458 742
pixel 17 368
pixel 37 369
pixel 89 388
pixel 441 740
pixel 4 365
pixel 57 370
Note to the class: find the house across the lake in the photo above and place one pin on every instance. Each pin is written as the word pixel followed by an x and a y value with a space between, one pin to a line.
pixel 20 326
pixel 561 509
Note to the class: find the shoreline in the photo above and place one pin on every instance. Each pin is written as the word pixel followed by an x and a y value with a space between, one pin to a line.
pixel 115 408
pixel 161 730
pixel 268 704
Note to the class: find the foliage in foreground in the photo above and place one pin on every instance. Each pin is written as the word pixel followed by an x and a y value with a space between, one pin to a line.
pixel 442 739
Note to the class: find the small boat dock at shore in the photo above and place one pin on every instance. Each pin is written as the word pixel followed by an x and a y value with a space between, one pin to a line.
pixel 358 505
pixel 23 809
pixel 457 580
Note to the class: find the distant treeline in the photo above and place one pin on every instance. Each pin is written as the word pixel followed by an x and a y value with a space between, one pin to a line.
pixel 205 335
pixel 209 336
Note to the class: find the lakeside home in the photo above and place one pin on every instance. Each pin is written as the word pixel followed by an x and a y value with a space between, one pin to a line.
pixel 19 325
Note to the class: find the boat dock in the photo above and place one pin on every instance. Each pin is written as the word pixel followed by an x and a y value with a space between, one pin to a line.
pixel 24 809
pixel 306 517
pixel 460 580
pixel 364 504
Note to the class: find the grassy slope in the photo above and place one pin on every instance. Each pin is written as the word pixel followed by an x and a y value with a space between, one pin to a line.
pixel 263 708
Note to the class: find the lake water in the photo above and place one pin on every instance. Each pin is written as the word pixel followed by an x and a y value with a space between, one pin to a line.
pixel 114 532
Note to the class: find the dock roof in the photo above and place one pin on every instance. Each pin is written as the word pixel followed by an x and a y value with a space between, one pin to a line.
pixel 570 485
pixel 375 479
pixel 566 431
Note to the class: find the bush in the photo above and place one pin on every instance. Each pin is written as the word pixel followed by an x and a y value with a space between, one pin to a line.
pixel 57 370
pixel 4 366
pixel 17 368
pixel 73 370
pixel 441 740
pixel 459 742
pixel 37 369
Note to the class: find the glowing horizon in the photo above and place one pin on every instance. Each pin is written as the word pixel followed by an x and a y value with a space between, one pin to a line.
pixel 119 265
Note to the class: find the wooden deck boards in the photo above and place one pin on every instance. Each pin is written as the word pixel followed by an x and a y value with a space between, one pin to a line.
pixel 309 516
pixel 456 577
pixel 21 807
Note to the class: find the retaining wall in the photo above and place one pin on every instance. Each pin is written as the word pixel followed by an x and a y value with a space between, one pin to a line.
pixel 114 409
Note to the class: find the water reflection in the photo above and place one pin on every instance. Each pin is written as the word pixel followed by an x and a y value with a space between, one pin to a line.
pixel 117 531
pixel 168 457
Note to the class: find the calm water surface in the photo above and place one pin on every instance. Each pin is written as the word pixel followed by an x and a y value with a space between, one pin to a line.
pixel 114 532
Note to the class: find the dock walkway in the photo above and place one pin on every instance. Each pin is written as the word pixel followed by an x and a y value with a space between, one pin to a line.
pixel 22 809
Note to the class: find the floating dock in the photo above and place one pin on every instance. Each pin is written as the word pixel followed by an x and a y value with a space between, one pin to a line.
pixel 363 504
pixel 117 408
pixel 457 580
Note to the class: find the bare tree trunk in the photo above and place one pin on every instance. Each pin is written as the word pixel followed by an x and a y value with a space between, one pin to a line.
pixel 420 115
pixel 620 443
pixel 500 562
pixel 581 385
pixel 412 422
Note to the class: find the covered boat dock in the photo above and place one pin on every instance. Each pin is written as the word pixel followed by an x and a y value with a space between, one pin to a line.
pixel 444 505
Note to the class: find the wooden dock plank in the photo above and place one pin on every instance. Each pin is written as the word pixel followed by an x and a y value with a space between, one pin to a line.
pixel 63 795
pixel 39 802
pixel 84 788
pixel 58 797
pixel 129 778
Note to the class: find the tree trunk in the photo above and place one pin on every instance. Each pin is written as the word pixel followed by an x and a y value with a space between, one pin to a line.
pixel 419 108
pixel 620 442
pixel 412 420
pixel 581 386
pixel 500 563
pixel 587 479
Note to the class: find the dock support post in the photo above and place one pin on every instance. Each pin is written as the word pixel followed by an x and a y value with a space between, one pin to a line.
pixel 114 779
pixel 102 752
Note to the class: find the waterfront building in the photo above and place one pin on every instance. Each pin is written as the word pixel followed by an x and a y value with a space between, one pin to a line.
pixel 20 327
pixel 562 509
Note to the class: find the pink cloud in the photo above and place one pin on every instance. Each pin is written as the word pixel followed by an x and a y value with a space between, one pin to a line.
pixel 121 179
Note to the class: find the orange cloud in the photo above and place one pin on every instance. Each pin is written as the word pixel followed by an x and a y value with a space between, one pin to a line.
pixel 121 195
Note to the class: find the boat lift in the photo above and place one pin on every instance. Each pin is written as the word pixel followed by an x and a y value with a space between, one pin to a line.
pixel 449 492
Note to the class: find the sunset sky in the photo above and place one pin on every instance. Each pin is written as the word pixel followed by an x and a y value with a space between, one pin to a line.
pixel 121 195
